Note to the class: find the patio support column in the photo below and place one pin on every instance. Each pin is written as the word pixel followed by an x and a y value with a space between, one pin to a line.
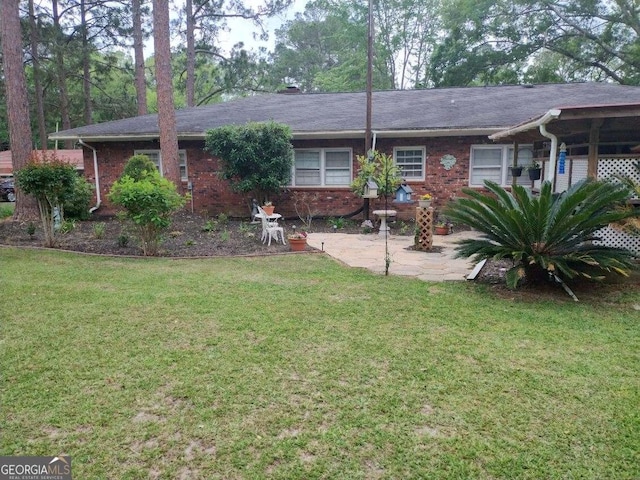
pixel 594 140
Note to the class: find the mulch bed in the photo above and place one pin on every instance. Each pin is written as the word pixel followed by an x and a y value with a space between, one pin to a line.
pixel 192 235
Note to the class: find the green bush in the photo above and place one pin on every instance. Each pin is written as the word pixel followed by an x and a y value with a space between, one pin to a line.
pixel 148 205
pixel 78 203
pixel 138 167
pixel 51 182
pixel 256 157
pixel 546 235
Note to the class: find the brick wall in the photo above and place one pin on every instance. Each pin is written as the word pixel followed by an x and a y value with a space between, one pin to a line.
pixel 212 195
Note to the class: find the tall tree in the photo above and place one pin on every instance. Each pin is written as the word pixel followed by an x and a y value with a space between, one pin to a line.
pixel 494 41
pixel 209 19
pixel 407 32
pixel 86 64
pixel 324 48
pixel 37 75
pixel 61 74
pixel 16 95
pixel 138 48
pixel 166 109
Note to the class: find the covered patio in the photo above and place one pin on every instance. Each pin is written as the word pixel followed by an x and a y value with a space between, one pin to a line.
pixel 575 142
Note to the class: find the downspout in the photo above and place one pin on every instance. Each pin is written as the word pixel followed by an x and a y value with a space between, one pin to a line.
pixel 373 142
pixel 551 172
pixel 95 173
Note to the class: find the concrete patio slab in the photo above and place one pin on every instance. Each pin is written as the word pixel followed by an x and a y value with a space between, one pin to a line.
pixel 368 251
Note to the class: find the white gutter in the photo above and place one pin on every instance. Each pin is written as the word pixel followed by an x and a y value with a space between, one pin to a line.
pixel 95 174
pixel 301 135
pixel 551 171
pixel 543 120
pixel 540 123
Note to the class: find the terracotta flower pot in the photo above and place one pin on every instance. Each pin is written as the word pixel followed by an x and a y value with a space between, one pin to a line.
pixel 297 244
pixel 441 230
pixel 268 209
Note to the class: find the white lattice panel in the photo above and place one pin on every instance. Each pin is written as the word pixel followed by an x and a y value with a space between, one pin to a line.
pixel 615 238
pixel 609 167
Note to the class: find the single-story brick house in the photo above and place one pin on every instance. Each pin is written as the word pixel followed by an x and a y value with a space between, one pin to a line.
pixel 444 139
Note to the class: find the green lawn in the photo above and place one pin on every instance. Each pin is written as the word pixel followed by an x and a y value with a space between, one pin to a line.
pixel 297 367
pixel 6 209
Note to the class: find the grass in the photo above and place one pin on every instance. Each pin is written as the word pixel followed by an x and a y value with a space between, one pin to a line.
pixel 297 367
pixel 6 209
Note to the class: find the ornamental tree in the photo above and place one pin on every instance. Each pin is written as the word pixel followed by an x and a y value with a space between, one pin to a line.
pixel 257 158
pixel 382 170
pixel 51 182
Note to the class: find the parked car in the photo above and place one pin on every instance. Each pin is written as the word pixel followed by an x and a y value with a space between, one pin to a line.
pixel 8 191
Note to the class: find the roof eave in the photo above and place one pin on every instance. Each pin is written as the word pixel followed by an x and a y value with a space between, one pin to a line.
pixel 297 135
pixel 552 114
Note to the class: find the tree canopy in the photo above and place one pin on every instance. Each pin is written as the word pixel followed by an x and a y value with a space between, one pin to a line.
pixel 81 68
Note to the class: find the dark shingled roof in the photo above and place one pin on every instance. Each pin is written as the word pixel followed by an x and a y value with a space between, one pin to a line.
pixel 328 114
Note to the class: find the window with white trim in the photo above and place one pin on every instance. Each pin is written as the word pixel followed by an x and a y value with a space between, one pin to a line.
pixel 321 167
pixel 156 157
pixel 411 161
pixel 492 162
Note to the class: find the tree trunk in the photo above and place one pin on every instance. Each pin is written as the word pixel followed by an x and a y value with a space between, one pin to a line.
pixel 86 70
pixel 17 100
pixel 141 83
pixel 191 55
pixel 166 109
pixel 39 92
pixel 60 72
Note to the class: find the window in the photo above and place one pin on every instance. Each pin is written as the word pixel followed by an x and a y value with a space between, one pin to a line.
pixel 491 162
pixel 156 157
pixel 411 161
pixel 321 167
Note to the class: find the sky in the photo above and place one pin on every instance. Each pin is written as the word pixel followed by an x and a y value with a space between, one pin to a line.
pixel 242 30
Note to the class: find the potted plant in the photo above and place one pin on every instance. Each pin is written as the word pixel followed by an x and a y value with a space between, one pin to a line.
pixel 442 226
pixel 268 207
pixel 534 171
pixel 516 170
pixel 297 241
pixel 425 200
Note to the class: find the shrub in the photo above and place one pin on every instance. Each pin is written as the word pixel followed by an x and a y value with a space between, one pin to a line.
pixel 123 240
pixel 67 226
pixel 547 235
pixel 148 204
pixel 99 229
pixel 138 167
pixel 78 202
pixel 256 157
pixel 51 182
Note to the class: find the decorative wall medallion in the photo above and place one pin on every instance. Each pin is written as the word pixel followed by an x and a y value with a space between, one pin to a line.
pixel 448 161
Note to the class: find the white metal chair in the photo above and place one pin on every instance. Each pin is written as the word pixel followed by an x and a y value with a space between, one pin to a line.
pixel 270 228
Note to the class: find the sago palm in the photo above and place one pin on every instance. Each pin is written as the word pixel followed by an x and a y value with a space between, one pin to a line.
pixel 545 235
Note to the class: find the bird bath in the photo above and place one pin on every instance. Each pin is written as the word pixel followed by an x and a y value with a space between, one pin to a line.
pixel 384 214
